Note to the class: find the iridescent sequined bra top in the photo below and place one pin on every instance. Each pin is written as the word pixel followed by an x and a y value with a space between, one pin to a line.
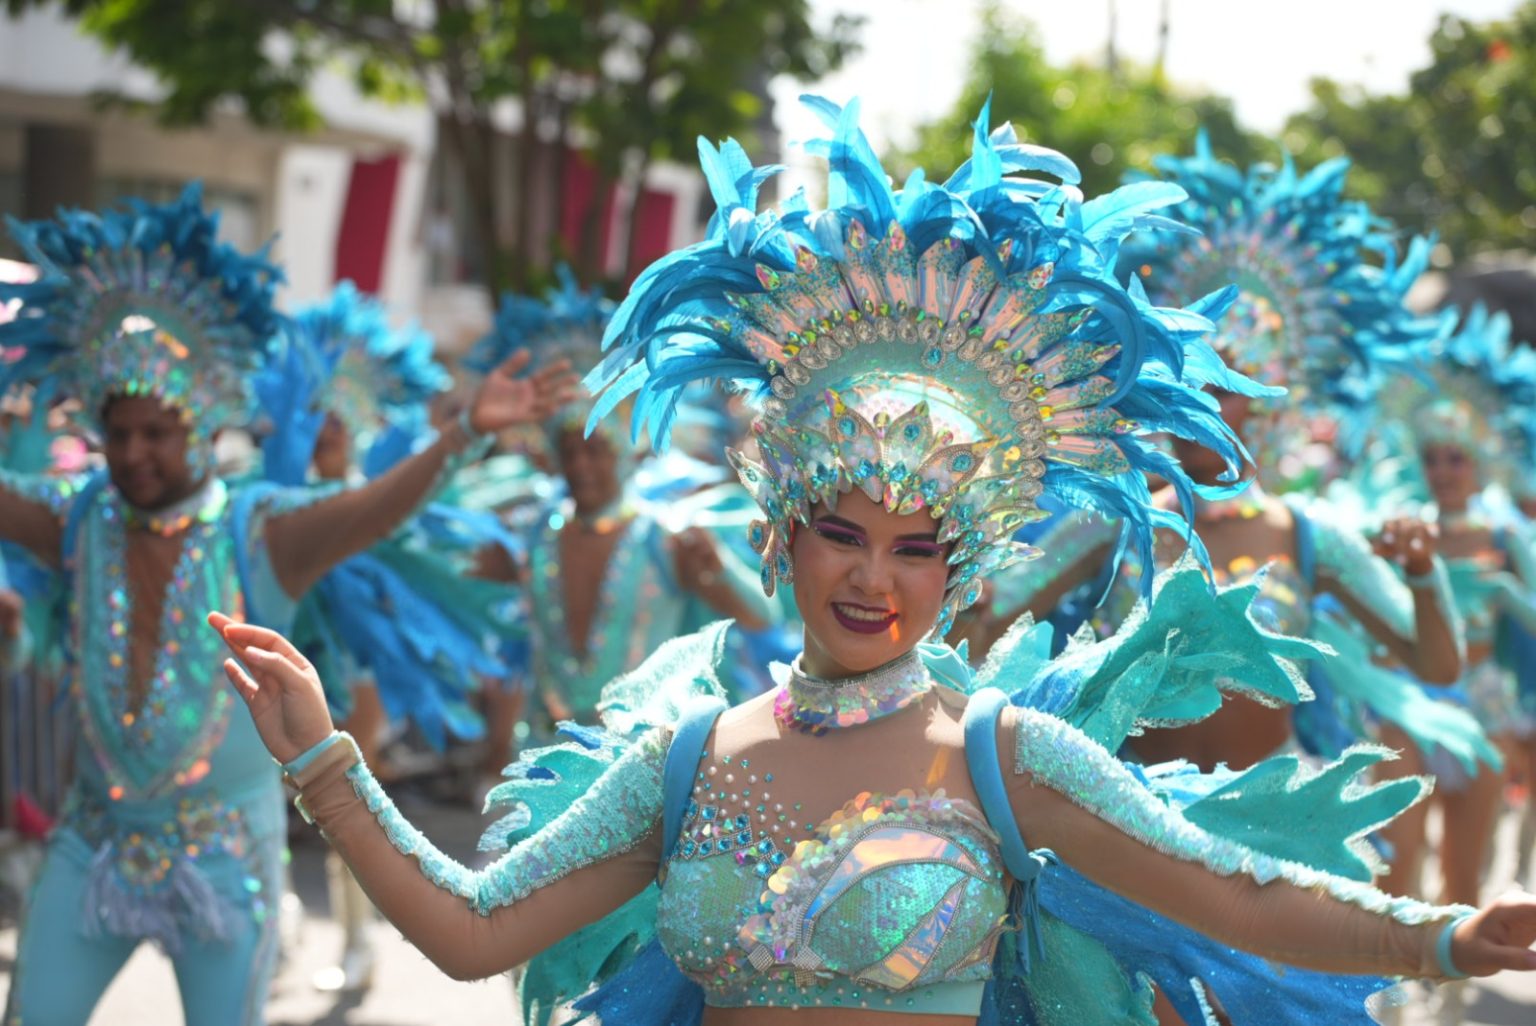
pixel 894 903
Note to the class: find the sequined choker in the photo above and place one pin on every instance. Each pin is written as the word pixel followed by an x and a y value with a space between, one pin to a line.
pixel 203 504
pixel 814 706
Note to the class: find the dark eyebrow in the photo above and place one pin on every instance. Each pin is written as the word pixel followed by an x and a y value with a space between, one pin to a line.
pixel 837 521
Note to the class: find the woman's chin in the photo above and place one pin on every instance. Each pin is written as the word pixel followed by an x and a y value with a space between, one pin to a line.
pixel 851 656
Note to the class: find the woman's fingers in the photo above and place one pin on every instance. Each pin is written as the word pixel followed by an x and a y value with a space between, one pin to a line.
pixel 250 636
pixel 245 686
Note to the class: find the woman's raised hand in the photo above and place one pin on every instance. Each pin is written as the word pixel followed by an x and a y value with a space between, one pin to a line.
pixel 279 685
pixel 1499 936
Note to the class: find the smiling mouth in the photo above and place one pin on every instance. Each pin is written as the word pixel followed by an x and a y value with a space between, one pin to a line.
pixel 862 619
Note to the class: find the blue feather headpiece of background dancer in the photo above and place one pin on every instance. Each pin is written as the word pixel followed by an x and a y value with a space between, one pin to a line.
pixel 341 356
pixel 961 348
pixel 142 301
pixel 568 323
pixel 1481 398
pixel 1320 306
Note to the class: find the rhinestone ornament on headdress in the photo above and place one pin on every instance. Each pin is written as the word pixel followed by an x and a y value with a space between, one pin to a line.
pixel 1320 305
pixel 960 349
pixel 142 302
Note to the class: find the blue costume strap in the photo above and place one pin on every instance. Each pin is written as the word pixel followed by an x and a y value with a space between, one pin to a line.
pixel 683 756
pixel 980 727
pixel 1306 547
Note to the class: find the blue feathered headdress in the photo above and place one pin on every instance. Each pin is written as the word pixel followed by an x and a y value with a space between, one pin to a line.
pixel 141 301
pixel 568 323
pixel 1320 307
pixel 341 356
pixel 1482 398
pixel 962 348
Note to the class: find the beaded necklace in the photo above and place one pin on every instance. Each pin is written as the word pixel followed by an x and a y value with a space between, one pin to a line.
pixel 813 705
pixel 203 505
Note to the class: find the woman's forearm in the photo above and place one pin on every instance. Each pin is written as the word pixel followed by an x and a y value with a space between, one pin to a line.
pixel 476 923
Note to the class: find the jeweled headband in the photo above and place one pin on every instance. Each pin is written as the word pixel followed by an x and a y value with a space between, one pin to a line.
pixel 961 348
pixel 142 301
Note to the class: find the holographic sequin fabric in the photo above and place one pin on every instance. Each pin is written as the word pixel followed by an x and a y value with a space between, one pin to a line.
pixel 55 493
pixel 177 797
pixel 896 901
pixel 150 738
pixel 612 817
pixel 150 878
pixel 1064 759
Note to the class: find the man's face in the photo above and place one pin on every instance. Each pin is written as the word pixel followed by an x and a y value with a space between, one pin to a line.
pixel 147 452
pixel 590 467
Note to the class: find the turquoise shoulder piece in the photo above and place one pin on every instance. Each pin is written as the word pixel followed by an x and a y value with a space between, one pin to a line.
pixel 546 781
pixel 656 692
pixel 1168 662
pixel 54 492
pixel 1317 818
pixel 1068 761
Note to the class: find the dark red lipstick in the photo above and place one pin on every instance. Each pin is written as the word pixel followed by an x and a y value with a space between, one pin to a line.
pixel 861 626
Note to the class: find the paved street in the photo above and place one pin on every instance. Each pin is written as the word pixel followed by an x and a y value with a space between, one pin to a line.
pixel 408 991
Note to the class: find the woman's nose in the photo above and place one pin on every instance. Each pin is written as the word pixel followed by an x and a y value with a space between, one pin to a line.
pixel 872 574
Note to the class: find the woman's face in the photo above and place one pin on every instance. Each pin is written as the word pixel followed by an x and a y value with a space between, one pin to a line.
pixel 1451 473
pixel 869 584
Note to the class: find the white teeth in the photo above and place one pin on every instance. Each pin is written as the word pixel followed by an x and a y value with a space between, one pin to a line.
pixel 866 615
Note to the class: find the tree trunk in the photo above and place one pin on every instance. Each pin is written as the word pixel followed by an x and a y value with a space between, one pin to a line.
pixel 472 143
pixel 632 222
pixel 590 263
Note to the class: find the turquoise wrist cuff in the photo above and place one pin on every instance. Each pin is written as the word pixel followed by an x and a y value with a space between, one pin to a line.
pixel 1443 949
pixel 472 437
pixel 302 761
pixel 1428 579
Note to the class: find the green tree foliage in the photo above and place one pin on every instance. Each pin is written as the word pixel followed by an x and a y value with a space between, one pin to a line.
pixel 631 81
pixel 1108 120
pixel 1457 153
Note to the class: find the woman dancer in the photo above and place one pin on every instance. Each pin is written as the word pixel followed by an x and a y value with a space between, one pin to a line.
pixel 929 362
